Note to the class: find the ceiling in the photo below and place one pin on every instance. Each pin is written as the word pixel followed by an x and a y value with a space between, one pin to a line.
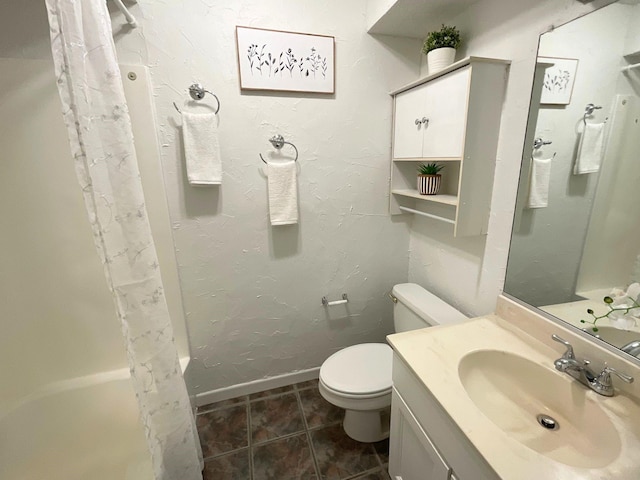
pixel 416 18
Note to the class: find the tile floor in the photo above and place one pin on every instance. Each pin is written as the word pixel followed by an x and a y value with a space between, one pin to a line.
pixel 285 433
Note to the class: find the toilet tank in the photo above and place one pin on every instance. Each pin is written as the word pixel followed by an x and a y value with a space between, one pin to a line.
pixel 419 308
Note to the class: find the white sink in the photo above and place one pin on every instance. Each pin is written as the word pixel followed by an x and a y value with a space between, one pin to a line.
pixel 512 391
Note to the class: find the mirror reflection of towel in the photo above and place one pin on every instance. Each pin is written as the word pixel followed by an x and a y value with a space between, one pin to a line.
pixel 539 183
pixel 590 149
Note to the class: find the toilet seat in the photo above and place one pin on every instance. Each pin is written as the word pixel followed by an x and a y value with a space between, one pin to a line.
pixel 359 371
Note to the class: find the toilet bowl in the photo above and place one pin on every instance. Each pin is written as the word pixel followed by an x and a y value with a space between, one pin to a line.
pixel 358 378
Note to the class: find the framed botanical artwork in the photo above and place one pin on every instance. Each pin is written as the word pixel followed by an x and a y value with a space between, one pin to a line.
pixel 558 80
pixel 285 61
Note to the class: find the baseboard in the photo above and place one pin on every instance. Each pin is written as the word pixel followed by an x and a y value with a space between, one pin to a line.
pixel 256 386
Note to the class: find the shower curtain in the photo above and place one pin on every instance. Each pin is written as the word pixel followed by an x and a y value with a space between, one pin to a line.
pixel 99 128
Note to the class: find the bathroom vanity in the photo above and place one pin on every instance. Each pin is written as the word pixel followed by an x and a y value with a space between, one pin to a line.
pixel 441 454
pixel 467 402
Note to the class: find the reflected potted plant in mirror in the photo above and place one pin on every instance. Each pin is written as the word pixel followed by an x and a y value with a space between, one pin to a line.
pixel 624 309
pixel 429 178
pixel 440 48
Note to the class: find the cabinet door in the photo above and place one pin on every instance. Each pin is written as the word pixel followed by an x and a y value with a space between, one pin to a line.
pixel 407 136
pixel 412 455
pixel 446 107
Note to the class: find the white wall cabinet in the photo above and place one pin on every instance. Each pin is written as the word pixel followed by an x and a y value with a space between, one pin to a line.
pixel 424 442
pixel 451 117
pixel 430 118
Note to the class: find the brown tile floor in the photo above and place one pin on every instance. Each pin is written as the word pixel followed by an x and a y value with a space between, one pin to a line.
pixel 285 433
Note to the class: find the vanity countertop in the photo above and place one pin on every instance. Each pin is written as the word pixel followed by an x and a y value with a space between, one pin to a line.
pixel 434 355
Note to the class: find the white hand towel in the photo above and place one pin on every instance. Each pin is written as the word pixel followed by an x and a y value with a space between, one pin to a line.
pixel 201 148
pixel 283 192
pixel 590 150
pixel 539 183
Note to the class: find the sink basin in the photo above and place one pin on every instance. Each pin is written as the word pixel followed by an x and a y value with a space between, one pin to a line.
pixel 512 391
pixel 614 336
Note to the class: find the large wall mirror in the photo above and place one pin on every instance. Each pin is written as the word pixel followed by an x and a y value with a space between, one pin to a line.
pixel 576 234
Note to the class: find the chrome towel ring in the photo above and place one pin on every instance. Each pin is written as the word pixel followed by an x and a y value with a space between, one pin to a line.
pixel 588 111
pixel 278 142
pixel 198 92
pixel 539 142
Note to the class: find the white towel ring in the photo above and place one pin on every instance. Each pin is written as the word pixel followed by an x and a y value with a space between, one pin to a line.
pixel 198 92
pixel 278 142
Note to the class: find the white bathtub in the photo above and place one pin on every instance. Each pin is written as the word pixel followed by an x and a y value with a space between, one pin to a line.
pixel 80 429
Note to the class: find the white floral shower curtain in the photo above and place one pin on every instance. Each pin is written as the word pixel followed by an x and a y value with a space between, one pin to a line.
pixel 99 128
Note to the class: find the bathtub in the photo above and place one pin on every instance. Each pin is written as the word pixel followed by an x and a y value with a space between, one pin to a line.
pixel 80 429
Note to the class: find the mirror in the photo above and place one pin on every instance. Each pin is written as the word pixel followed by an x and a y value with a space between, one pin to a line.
pixel 576 233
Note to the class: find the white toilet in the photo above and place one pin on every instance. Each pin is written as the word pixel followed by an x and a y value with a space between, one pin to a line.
pixel 358 378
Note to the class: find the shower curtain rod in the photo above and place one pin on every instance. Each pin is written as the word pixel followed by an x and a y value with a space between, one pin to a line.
pixel 131 20
pixel 630 67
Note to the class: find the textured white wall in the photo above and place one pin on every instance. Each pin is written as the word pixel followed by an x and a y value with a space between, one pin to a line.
pixel 632 43
pixel 469 272
pixel 547 247
pixel 252 292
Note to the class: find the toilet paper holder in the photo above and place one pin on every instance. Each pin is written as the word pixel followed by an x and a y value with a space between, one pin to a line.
pixel 327 303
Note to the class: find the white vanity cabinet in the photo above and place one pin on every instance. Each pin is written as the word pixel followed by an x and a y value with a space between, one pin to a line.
pixel 424 442
pixel 451 117
pixel 413 454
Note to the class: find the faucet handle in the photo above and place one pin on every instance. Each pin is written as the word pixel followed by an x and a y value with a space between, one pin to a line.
pixel 605 376
pixel 568 354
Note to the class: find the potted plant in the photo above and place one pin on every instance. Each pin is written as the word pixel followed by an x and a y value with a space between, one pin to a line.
pixel 429 178
pixel 440 48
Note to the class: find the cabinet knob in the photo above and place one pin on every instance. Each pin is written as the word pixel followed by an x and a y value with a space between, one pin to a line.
pixel 418 121
pixel 425 121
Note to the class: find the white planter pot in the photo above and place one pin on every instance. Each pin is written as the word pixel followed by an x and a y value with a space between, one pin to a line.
pixel 429 184
pixel 440 58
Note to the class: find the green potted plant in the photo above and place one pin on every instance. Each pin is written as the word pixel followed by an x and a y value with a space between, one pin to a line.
pixel 429 178
pixel 440 48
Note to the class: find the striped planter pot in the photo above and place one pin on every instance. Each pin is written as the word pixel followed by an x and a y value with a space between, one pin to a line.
pixel 429 184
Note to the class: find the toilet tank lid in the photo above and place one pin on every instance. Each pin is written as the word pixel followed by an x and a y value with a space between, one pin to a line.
pixel 426 305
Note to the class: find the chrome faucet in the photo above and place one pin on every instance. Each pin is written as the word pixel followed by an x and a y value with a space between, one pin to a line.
pixel 579 369
pixel 632 348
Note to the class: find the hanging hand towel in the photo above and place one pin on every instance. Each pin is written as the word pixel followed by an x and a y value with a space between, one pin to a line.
pixel 539 183
pixel 201 148
pixel 590 149
pixel 283 192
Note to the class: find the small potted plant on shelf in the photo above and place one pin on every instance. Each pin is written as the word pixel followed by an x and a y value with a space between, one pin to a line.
pixel 429 178
pixel 440 48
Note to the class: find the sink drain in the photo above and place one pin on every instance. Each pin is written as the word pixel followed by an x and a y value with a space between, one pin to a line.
pixel 547 422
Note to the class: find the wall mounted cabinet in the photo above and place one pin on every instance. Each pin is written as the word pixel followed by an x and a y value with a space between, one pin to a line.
pixel 451 117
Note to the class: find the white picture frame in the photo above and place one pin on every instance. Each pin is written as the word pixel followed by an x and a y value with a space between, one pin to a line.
pixel 559 79
pixel 285 61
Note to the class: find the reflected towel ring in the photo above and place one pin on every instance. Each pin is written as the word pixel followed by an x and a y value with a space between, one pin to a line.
pixel 198 92
pixel 539 142
pixel 278 142
pixel 588 111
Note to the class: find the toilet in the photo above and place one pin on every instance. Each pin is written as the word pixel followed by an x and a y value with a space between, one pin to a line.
pixel 358 378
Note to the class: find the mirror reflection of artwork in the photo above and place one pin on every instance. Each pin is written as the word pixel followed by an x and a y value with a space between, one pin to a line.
pixel 558 80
